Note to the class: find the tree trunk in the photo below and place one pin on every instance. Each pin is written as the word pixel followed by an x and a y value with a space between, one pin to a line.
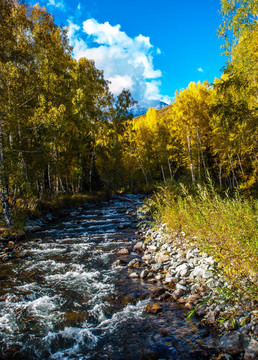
pixel 4 198
pixel 163 174
pixel 190 158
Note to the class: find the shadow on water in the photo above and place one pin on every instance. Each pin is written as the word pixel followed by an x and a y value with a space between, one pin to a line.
pixel 66 300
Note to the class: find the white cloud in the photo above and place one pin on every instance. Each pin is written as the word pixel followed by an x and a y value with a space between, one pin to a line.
pixel 127 62
pixel 200 69
pixel 118 83
pixel 57 4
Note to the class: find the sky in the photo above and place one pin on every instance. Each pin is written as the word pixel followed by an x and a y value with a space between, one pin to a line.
pixel 152 48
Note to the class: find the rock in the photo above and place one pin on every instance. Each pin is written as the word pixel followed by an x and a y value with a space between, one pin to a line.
pixel 211 318
pixel 138 246
pixel 157 267
pixel 183 270
pixel 230 325
pixel 11 244
pixel 177 294
pixel 49 217
pixel 119 262
pixel 157 293
pixel 147 257
pixel 159 277
pixel 74 213
pixel 134 275
pixel 32 228
pixel 251 352
pixel 123 251
pixel 193 299
pixel 162 257
pixel 197 272
pixel 144 274
pixel 231 343
pixel 153 308
pixel 152 248
pixel 181 287
pixel 134 263
pixel 199 354
pixel 201 311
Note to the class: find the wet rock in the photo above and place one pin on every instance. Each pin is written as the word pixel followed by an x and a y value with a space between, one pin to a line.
pixel 138 247
pixel 199 354
pixel 134 275
pixel 193 298
pixel 251 352
pixel 119 262
pixel 11 245
pixel 157 293
pixel 177 294
pixel 144 274
pixel 231 343
pixel 74 213
pixel 49 217
pixel 201 311
pixel 32 228
pixel 165 332
pixel 123 251
pixel 134 263
pixel 153 308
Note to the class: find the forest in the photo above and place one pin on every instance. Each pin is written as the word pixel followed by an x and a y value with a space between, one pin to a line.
pixel 63 132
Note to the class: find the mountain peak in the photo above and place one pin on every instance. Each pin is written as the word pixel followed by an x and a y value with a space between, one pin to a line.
pixel 141 108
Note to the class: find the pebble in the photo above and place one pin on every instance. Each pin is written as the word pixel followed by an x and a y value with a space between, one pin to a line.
pixel 133 275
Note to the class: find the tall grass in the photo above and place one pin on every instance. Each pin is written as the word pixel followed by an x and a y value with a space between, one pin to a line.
pixel 222 226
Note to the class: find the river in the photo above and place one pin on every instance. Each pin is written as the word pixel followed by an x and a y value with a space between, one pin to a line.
pixel 65 298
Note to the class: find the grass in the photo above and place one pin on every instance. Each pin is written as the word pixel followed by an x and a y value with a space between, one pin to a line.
pixel 222 226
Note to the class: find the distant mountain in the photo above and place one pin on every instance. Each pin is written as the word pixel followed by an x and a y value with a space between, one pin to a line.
pixel 141 109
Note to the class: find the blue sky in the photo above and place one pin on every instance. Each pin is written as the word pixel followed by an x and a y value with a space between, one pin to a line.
pixel 153 48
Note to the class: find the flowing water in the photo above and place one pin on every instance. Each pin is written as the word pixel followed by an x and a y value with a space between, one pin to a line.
pixel 65 299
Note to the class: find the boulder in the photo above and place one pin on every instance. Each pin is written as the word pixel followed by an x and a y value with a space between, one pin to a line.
pixel 231 343
pixel 251 352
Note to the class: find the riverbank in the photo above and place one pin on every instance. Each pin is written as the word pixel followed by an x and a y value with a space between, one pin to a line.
pixel 191 278
pixel 32 217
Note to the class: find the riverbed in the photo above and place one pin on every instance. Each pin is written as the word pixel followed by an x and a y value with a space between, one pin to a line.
pixel 67 296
